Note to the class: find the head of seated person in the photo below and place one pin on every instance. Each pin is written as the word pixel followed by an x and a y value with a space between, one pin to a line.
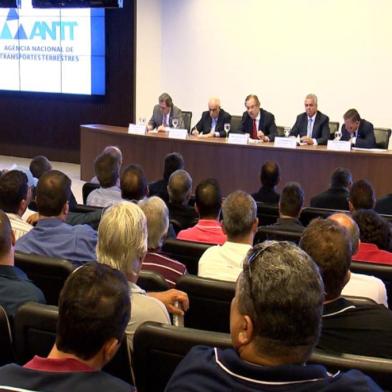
pixel 240 220
pixel 341 178
pixel 373 229
pixel 270 174
pixel 157 215
pixel 15 193
pixel 107 170
pixel 208 199
pixel 180 187
pixel 40 165
pixel 362 196
pixel 329 245
pixel 133 183
pixel 350 225
pixel 53 193
pixel 275 318
pixel 291 200
pixel 115 152
pixel 173 161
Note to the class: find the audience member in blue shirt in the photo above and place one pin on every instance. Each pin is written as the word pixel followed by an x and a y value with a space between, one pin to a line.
pixel 15 287
pixel 52 236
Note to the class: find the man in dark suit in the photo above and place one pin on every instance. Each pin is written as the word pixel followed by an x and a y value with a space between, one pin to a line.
pixel 384 205
pixel 336 197
pixel 359 131
pixel 312 126
pixel 259 123
pixel 212 122
pixel 269 178
pixel 164 113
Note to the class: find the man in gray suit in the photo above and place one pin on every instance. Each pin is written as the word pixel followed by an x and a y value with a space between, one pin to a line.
pixel 164 113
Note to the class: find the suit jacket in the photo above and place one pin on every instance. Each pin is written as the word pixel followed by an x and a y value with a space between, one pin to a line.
pixel 320 127
pixel 267 195
pixel 288 224
pixel 159 188
pixel 333 198
pixel 266 124
pixel 157 117
pixel 384 205
pixel 365 136
pixel 204 125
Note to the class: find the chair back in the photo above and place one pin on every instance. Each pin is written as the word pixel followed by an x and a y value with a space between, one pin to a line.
pixel 269 233
pixel 87 188
pixel 6 348
pixel 310 213
pixel 35 334
pixel 235 124
pixel 187 116
pixel 333 128
pixel 162 347
pixel 379 369
pixel 210 301
pixel 382 136
pixel 280 131
pixel 186 252
pixel 152 281
pixel 48 273
pixel 267 213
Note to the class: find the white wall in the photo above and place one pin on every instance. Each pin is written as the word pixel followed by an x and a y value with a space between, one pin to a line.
pixel 280 50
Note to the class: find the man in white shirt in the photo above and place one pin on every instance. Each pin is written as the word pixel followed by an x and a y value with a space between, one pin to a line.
pixel 224 262
pixel 15 196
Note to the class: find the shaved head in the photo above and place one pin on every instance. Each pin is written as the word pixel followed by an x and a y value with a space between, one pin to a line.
pixel 350 225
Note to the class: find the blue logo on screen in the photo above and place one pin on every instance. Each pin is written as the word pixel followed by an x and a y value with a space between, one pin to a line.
pixel 46 31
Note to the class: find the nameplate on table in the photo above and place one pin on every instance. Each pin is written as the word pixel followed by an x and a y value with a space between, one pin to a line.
pixel 137 129
pixel 238 138
pixel 285 142
pixel 339 145
pixel 179 133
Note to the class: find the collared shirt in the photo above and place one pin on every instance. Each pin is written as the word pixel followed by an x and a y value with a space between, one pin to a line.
pixel 213 369
pixel 16 289
pixel 104 197
pixel 144 308
pixel 19 226
pixel 223 262
pixel 57 365
pixel 370 253
pixel 311 127
pixel 206 230
pixel 214 121
pixel 52 237
pixel 170 269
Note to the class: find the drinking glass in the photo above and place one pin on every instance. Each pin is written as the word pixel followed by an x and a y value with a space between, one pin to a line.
pixel 175 122
pixel 226 127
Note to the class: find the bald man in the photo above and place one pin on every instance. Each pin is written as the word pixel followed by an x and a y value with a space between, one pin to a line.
pixel 212 121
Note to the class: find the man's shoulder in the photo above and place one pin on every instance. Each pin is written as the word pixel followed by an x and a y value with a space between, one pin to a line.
pixel 266 113
pixel 366 125
pixel 323 117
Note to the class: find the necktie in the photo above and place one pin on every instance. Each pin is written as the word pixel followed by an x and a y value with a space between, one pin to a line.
pixel 254 130
pixel 309 132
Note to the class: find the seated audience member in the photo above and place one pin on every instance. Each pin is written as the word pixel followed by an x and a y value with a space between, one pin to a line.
pixel 133 183
pixel 376 236
pixel 224 262
pixel 181 214
pixel 157 216
pixel 212 121
pixel 269 179
pixel 336 197
pixel 290 206
pixel 274 324
pixel 40 165
pixel 15 287
pixel 259 123
pixel 362 196
pixel 163 114
pixel 346 327
pixel 94 310
pixel 359 131
pixel 122 244
pixel 15 196
pixel 384 205
pixel 208 205
pixel 116 153
pixel 52 236
pixel 312 126
pixel 108 172
pixel 173 161
pixel 360 285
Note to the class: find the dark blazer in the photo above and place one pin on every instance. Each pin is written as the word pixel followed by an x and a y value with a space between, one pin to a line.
pixel 157 117
pixel 333 198
pixel 320 127
pixel 267 195
pixel 159 188
pixel 365 137
pixel 288 224
pixel 204 125
pixel 384 205
pixel 266 124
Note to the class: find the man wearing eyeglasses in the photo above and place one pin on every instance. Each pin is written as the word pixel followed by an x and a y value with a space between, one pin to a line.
pixel 213 121
pixel 275 320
